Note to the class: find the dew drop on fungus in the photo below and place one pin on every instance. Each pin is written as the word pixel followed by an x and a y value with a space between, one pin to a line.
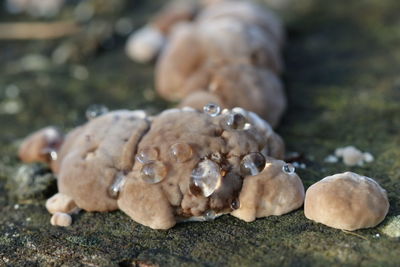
pixel 118 184
pixel 94 111
pixel 153 172
pixel 252 164
pixel 147 154
pixel 210 215
pixel 212 109
pixel 181 152
pixel 289 168
pixel 234 121
pixel 235 204
pixel 207 176
pixel 51 153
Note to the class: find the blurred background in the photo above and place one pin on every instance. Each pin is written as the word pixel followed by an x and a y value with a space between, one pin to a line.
pixel 59 57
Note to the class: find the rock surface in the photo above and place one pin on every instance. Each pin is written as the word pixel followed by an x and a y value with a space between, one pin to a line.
pixel 342 82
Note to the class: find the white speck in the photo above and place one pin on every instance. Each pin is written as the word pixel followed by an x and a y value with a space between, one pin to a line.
pixel 80 72
pixel 331 159
pixel 299 165
pixel 351 156
pixel 28 219
pixel 368 157
pixel 10 107
pixel 145 44
pixel 16 206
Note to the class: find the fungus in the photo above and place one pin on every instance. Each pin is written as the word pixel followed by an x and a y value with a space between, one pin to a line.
pixel 145 44
pixel 94 156
pixel 274 191
pixel 196 170
pixel 353 156
pixel 346 201
pixel 229 56
pixel 243 85
pixel 41 146
pixel 248 12
pixel 182 164
pixel 61 219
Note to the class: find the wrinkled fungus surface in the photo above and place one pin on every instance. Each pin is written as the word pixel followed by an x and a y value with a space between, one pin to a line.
pixel 181 163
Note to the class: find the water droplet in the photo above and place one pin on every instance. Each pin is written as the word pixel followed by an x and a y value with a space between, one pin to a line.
pixel 212 109
pixel 50 153
pixel 94 111
pixel 235 204
pixel 252 164
pixel 181 152
pixel 210 215
pixel 116 187
pixel 154 172
pixel 147 154
pixel 53 155
pixel 289 168
pixel 207 176
pixel 234 121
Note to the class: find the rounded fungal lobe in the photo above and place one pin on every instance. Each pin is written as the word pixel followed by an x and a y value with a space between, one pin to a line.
pixel 95 154
pixel 271 192
pixel 41 146
pixel 61 219
pixel 346 201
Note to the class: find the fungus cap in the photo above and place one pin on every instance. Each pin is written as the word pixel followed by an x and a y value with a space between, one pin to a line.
pixel 272 192
pixel 346 201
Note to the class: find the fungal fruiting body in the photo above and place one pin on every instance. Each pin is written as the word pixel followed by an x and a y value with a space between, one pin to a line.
pixel 145 44
pixel 180 165
pixel 346 201
pixel 228 53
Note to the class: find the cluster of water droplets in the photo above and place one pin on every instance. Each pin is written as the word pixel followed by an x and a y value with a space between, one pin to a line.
pixel 234 121
pixel 207 176
pixel 152 171
pixel 252 164
pixel 231 121
pixel 119 182
pixel 96 110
